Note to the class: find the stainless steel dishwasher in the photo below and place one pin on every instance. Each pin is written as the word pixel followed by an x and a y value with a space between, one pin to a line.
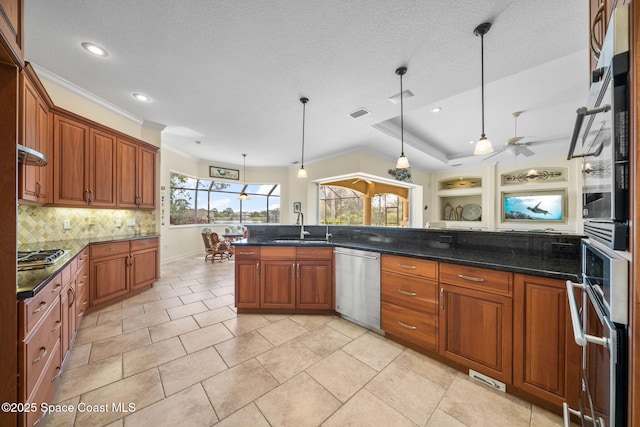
pixel 358 286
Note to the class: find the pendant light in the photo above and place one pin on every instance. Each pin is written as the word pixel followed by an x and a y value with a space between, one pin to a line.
pixel 483 146
pixel 403 162
pixel 302 173
pixel 244 195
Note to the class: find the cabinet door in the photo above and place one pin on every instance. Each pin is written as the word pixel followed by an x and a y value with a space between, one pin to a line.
pixel 144 268
pixel 12 26
pixel 126 182
pixel 109 278
pixel 70 154
pixel 28 187
pixel 475 330
pixel 247 283
pixel 102 169
pixel 314 284
pixel 146 188
pixel 277 287
pixel 543 348
pixel 69 317
pixel 44 146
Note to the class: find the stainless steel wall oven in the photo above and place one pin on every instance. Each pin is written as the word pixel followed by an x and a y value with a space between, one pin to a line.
pixel 603 130
pixel 600 327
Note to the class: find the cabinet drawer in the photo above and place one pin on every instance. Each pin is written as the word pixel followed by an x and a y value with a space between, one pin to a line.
pixel 140 244
pixel 279 252
pixel 108 249
pixel 314 253
pixel 40 345
pixel 418 328
pixel 247 252
pixel 35 307
pixel 499 282
pixel 45 389
pixel 82 257
pixel 413 266
pixel 410 292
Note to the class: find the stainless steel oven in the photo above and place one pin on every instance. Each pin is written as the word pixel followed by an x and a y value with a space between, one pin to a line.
pixel 600 328
pixel 602 128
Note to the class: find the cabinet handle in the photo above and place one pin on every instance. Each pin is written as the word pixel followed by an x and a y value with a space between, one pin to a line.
pixel 73 293
pixel 471 278
pixel 56 288
pixel 41 307
pixel 293 271
pixel 404 325
pixel 43 353
pixel 57 326
pixel 441 298
pixel 57 375
pixel 257 269
pixel 86 196
pixel 91 196
pixel 111 249
pixel 407 293
pixel 38 189
pixel 596 45
pixel 408 267
pixel 246 253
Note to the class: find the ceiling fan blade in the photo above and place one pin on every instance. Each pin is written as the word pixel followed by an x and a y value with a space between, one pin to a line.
pixel 524 150
pixel 514 140
pixel 495 153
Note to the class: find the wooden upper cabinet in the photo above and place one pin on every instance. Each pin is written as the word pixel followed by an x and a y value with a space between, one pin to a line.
pixel 12 30
pixel 34 132
pixel 101 179
pixel 70 154
pixel 136 167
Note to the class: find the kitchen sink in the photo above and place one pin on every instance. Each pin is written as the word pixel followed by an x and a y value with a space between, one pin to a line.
pixel 299 242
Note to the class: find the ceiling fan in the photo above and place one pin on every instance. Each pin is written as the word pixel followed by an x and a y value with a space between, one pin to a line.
pixel 515 145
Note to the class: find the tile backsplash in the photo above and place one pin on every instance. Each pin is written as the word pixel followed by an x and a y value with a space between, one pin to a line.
pixel 39 224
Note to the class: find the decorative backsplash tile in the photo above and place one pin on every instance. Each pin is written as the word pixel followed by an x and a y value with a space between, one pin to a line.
pixel 39 224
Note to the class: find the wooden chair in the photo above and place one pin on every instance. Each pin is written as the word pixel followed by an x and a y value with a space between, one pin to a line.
pixel 216 247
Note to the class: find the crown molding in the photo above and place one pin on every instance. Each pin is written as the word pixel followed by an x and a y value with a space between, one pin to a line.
pixel 71 87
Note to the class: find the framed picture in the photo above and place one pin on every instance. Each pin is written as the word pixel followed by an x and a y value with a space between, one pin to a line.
pixel 297 207
pixel 218 172
pixel 535 206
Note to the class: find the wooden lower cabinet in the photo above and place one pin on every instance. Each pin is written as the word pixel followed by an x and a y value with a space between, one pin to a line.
pixel 247 277
pixel 544 351
pixel 118 268
pixel 278 284
pixel 475 330
pixel 284 278
pixel 418 328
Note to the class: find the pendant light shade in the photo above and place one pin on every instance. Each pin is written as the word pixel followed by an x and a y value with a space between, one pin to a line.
pixel 483 145
pixel 403 162
pixel 302 173
pixel 244 195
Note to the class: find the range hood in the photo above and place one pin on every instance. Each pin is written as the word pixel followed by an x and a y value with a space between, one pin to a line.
pixel 30 157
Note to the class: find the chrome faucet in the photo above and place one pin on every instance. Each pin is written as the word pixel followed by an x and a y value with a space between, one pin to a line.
pixel 300 221
pixel 327 234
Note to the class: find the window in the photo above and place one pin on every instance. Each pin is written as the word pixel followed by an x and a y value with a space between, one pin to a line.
pixel 342 205
pixel 204 201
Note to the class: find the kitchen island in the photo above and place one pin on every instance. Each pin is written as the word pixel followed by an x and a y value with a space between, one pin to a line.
pixel 490 303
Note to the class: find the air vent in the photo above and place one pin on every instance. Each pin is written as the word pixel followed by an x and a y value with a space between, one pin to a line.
pixel 360 112
pixel 396 98
pixel 483 379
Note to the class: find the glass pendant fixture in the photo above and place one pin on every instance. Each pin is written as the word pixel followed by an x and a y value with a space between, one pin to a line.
pixel 302 173
pixel 483 146
pixel 244 195
pixel 403 162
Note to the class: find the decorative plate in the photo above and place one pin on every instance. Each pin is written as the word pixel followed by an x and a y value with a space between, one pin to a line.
pixel 471 212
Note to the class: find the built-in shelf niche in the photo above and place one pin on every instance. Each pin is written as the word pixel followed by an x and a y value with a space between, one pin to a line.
pixel 461 183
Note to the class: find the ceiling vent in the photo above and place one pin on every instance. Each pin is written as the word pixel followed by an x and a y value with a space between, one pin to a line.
pixel 396 98
pixel 360 112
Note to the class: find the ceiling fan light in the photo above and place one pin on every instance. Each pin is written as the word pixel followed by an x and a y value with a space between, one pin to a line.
pixel 483 147
pixel 403 162
pixel 302 172
pixel 244 196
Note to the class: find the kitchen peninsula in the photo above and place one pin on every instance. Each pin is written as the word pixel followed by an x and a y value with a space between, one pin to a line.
pixel 493 303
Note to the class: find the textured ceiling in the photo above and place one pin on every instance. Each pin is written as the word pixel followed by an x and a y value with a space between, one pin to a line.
pixel 229 73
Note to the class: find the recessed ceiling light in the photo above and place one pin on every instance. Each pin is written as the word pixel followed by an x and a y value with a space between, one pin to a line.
pixel 141 97
pixel 436 109
pixel 94 49
pixel 472 142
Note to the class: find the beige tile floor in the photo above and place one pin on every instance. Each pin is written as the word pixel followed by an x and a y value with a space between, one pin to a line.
pixel 181 356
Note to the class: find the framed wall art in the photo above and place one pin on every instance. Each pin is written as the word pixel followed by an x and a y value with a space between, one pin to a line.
pixel 226 173
pixel 535 206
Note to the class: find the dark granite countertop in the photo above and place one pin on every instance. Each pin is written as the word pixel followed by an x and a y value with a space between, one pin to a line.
pixel 537 265
pixel 31 281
